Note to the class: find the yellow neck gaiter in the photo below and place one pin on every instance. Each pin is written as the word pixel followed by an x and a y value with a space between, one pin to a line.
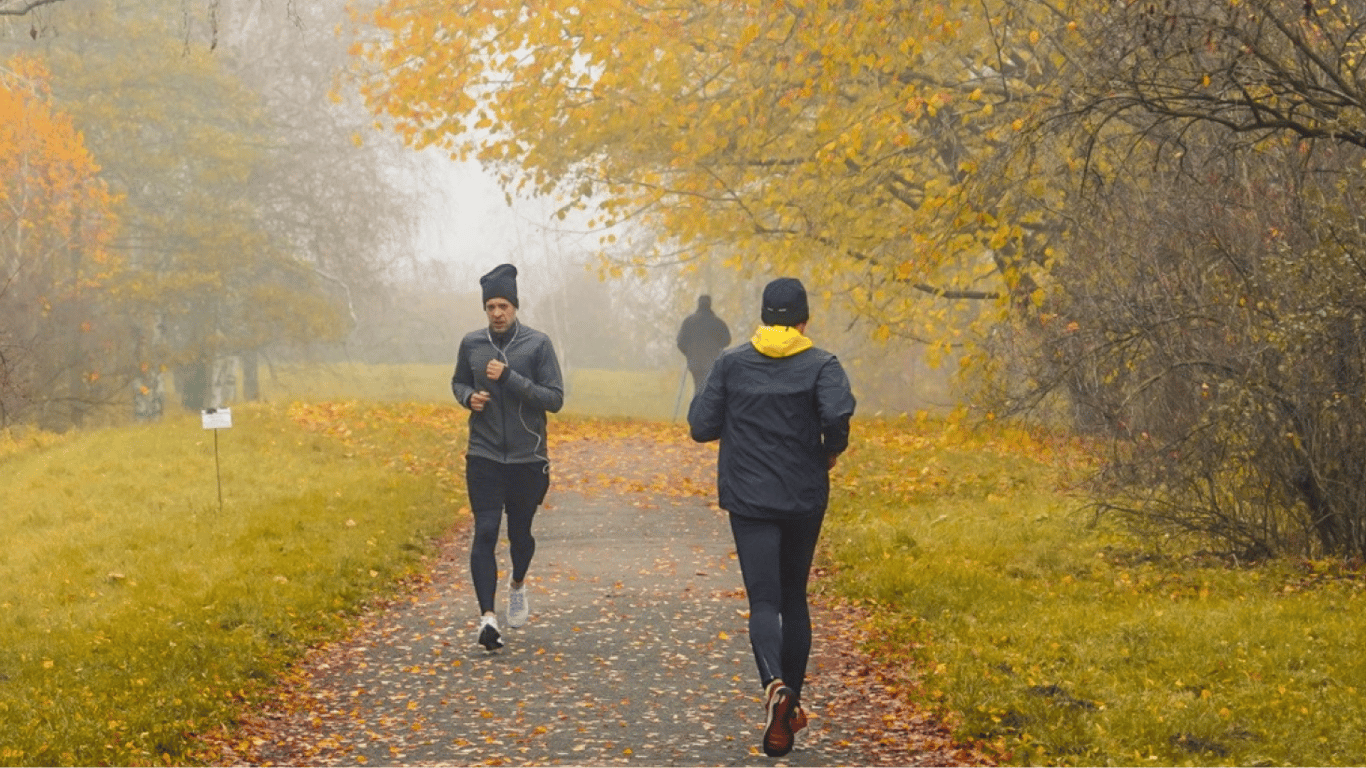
pixel 779 341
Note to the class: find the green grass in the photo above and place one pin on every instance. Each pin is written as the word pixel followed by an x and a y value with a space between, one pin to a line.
pixel 653 395
pixel 1057 640
pixel 134 613
pixel 588 392
pixel 356 381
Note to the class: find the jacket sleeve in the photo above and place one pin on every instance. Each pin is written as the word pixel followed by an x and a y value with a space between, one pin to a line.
pixel 707 412
pixel 545 387
pixel 835 401
pixel 462 381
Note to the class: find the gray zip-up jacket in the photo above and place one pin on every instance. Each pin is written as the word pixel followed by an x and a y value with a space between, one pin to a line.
pixel 512 427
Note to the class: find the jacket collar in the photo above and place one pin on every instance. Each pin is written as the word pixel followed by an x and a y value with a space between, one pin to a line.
pixel 779 341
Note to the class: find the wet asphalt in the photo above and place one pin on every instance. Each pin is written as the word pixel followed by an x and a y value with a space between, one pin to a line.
pixel 636 654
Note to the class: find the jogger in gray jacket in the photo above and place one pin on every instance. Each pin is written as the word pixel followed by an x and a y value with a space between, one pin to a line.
pixel 509 377
pixel 511 426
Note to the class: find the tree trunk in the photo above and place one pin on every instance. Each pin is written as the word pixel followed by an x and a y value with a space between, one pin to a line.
pixel 251 376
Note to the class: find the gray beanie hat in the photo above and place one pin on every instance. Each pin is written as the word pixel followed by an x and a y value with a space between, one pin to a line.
pixel 500 282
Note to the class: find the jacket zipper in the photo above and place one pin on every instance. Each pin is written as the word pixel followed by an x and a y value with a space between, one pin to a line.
pixel 507 356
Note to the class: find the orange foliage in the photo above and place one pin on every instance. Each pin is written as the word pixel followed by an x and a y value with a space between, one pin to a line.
pixel 56 220
pixel 51 196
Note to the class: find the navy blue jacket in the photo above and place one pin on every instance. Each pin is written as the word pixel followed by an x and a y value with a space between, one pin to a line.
pixel 779 420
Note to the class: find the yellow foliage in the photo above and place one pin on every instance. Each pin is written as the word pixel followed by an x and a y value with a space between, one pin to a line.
pixel 807 137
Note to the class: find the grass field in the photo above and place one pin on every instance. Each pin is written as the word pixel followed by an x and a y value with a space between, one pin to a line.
pixel 1060 640
pixel 588 392
pixel 135 614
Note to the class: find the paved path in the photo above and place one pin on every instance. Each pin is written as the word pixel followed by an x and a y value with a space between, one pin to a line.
pixel 636 654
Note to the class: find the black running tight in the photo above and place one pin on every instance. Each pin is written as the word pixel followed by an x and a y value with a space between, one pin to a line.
pixel 775 560
pixel 495 488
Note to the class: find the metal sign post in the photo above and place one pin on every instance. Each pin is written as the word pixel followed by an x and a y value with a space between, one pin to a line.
pixel 216 419
pixel 682 382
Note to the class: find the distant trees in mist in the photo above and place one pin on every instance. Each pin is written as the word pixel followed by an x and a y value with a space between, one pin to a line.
pixel 251 206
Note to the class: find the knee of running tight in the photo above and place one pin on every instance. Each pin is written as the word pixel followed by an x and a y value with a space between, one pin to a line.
pixel 485 535
pixel 762 607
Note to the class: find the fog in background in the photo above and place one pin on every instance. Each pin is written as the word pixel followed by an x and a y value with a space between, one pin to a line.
pixel 468 225
pixel 598 323
pixel 264 221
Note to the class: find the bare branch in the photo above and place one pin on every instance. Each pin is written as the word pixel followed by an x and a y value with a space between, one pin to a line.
pixel 26 7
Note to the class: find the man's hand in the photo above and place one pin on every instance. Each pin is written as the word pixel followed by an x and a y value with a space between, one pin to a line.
pixel 495 369
pixel 832 459
pixel 479 399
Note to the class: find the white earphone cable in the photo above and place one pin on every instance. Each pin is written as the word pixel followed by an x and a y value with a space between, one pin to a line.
pixel 535 451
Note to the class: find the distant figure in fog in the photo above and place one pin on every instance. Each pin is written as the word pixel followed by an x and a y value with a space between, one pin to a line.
pixel 701 339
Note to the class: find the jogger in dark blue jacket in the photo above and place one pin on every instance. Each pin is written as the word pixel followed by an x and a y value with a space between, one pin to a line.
pixel 781 409
pixel 509 377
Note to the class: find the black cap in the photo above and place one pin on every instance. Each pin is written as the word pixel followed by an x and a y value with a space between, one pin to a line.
pixel 785 303
pixel 500 282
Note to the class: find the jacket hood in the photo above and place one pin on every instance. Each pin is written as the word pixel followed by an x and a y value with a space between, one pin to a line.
pixel 779 341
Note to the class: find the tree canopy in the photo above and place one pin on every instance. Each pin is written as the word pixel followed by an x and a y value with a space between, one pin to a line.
pixel 1159 195
pixel 829 139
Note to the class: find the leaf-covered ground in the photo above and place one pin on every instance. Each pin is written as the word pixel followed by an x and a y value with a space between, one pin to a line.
pixel 636 653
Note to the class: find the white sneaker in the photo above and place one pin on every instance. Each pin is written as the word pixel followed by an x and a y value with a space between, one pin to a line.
pixel 519 610
pixel 489 636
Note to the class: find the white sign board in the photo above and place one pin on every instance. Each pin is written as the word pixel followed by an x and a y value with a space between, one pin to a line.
pixel 217 418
